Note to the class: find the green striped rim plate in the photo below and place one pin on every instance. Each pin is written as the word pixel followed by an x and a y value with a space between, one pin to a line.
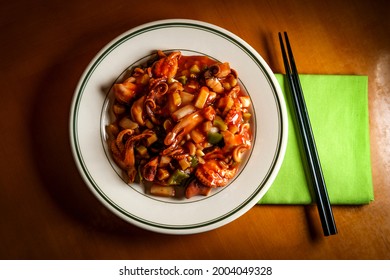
pixel 89 116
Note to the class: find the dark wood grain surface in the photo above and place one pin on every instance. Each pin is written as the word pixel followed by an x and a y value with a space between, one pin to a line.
pixel 47 212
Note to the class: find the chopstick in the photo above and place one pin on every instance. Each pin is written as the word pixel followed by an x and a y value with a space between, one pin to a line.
pixel 307 140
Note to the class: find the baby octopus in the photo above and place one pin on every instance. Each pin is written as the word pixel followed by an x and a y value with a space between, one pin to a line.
pixel 214 173
pixel 166 66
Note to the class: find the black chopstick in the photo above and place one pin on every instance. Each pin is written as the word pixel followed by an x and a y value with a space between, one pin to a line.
pixel 307 140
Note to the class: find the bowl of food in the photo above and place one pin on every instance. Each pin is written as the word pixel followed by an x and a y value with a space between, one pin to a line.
pixel 178 126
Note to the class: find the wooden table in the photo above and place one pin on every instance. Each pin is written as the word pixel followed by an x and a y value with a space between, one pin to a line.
pixel 49 213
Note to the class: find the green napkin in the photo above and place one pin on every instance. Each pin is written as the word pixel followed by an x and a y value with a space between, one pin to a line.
pixel 338 110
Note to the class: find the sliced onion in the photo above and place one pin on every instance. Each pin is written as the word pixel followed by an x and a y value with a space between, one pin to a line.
pixel 182 112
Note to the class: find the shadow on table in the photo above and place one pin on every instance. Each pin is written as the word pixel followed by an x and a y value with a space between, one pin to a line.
pixel 49 128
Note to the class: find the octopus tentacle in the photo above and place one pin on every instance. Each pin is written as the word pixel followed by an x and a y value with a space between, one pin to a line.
pixel 183 127
pixel 149 170
pixel 215 74
pixel 213 174
pixel 239 151
pixel 158 88
pixel 166 67
pixel 172 151
pixel 213 82
pixel 129 156
pixel 137 110
pixel 121 135
pixel 220 70
pixel 124 92
pixel 129 161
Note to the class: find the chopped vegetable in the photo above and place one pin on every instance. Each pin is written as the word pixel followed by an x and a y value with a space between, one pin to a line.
pixel 183 111
pixel 127 123
pixel 195 69
pixel 118 109
pixel 165 160
pixel 214 137
pixel 178 177
pixel 184 164
pixel 218 122
pixel 206 126
pixel 245 101
pixel 182 79
pixel 162 174
pixel 246 116
pixel 150 140
pixel 227 86
pixel 176 98
pixel 191 148
pixel 197 136
pixel 160 190
pixel 194 161
pixel 202 97
pixel 229 105
pixel 142 151
pixel 186 97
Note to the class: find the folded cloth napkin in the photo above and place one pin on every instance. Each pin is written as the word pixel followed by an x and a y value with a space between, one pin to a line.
pixel 338 111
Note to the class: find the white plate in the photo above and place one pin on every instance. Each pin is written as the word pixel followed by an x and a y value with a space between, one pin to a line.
pixel 89 116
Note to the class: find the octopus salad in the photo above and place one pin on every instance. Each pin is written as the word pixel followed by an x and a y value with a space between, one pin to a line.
pixel 181 126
